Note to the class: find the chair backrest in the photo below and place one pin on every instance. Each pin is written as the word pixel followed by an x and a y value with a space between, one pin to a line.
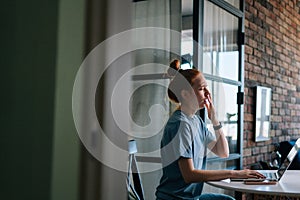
pixel 134 182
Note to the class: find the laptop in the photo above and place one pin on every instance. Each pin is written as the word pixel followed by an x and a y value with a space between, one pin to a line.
pixel 276 176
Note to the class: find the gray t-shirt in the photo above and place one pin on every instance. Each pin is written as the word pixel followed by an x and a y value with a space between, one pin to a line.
pixel 186 137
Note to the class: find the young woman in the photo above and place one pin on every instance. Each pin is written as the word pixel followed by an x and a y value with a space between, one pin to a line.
pixel 186 139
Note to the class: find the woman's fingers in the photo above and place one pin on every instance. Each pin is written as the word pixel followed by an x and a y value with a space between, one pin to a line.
pixel 255 174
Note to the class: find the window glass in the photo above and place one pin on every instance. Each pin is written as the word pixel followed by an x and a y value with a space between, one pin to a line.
pixel 187 49
pixel 220 49
pixel 224 98
pixel 187 34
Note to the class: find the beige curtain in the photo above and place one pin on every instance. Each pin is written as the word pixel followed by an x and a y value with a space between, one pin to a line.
pixel 149 103
pixel 112 108
pixel 104 153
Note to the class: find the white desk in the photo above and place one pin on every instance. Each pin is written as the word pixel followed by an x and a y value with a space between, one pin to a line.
pixel 289 185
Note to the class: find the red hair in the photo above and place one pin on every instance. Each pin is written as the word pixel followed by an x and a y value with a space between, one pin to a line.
pixel 180 80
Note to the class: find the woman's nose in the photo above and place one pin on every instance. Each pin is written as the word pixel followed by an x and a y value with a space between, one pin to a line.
pixel 206 92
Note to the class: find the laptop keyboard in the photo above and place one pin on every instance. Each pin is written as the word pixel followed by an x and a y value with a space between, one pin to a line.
pixel 270 175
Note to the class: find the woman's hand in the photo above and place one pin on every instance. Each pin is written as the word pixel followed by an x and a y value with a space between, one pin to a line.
pixel 211 112
pixel 247 173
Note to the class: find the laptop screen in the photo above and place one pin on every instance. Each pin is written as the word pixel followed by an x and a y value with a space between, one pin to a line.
pixel 286 163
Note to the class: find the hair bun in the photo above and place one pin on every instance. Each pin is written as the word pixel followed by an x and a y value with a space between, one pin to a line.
pixel 174 68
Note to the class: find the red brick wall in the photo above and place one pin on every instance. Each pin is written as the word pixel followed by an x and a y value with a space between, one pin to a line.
pixel 272 59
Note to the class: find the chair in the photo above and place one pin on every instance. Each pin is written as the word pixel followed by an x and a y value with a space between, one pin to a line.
pixel 134 183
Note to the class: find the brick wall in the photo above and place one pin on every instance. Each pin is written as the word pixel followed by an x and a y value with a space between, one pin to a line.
pixel 272 59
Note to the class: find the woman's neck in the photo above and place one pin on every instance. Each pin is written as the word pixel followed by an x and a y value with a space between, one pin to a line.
pixel 188 110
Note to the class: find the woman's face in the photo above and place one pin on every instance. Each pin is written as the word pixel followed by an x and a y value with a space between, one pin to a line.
pixel 201 91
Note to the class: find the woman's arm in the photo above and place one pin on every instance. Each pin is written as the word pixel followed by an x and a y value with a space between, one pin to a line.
pixel 220 146
pixel 191 175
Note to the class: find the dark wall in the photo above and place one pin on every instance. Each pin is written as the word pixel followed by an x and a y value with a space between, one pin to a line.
pixel 28 59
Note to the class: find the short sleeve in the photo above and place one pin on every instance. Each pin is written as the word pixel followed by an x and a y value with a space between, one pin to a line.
pixel 176 142
pixel 183 141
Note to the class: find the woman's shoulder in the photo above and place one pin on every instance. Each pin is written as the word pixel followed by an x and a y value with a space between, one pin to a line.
pixel 176 120
pixel 178 115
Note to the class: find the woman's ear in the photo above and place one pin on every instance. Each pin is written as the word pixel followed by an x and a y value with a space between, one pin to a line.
pixel 184 94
